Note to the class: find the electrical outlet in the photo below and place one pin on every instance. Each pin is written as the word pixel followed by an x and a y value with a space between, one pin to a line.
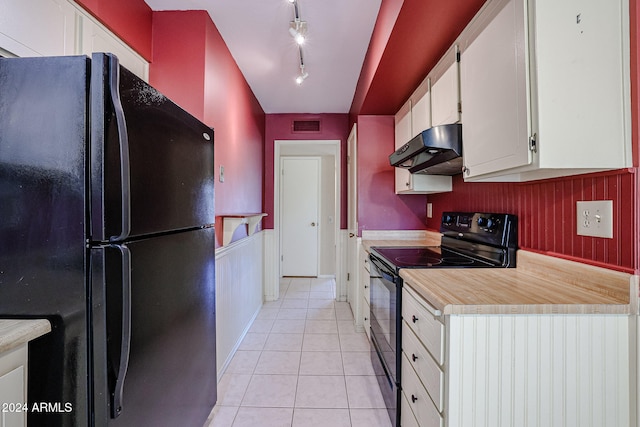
pixel 595 218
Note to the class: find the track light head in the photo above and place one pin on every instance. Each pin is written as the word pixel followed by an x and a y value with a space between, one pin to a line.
pixel 302 77
pixel 298 30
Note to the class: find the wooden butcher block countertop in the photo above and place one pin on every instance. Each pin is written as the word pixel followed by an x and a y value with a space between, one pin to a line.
pixel 539 284
pixel 15 332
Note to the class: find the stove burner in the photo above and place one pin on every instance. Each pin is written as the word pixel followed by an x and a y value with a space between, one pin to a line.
pixel 418 259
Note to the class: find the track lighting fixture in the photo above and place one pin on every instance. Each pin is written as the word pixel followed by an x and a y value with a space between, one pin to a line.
pixel 302 77
pixel 298 30
pixel 303 74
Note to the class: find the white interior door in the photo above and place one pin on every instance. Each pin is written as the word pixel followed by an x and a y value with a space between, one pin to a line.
pixel 300 190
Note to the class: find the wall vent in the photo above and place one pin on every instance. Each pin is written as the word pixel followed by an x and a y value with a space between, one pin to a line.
pixel 299 126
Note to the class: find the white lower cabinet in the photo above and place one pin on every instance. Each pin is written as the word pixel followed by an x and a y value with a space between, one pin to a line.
pixel 418 399
pixel 423 357
pixel 13 390
pixel 366 295
pixel 536 370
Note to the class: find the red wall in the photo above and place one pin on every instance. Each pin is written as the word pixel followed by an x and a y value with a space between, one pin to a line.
pixel 129 19
pixel 379 208
pixel 279 127
pixel 547 213
pixel 193 66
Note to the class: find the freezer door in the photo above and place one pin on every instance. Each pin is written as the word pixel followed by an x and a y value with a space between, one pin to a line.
pixel 153 312
pixel 152 162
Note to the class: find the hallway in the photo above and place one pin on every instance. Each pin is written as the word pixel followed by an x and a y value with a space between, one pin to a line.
pixel 301 364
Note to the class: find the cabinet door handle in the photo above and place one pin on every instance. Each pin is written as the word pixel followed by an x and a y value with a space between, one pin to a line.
pixel 414 319
pixel 413 398
pixel 366 286
pixel 414 357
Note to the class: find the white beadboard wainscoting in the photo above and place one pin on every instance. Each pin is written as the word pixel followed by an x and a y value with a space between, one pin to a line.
pixel 541 370
pixel 239 290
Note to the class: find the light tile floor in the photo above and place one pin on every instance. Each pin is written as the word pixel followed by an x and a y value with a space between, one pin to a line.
pixel 301 364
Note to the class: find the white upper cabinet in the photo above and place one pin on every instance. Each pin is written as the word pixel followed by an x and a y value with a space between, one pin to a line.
pixel 445 90
pixel 496 114
pixel 421 108
pixel 37 27
pixel 60 27
pixel 404 182
pixel 405 129
pixel 545 89
pixel 94 37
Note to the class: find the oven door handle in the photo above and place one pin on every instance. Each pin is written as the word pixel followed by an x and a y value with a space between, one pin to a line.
pixel 382 269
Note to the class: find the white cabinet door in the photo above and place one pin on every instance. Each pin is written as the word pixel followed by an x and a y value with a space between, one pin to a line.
pixel 421 108
pixel 495 131
pixel 12 394
pixel 402 136
pixel 582 73
pixel 13 391
pixel 37 27
pixel 445 91
pixel 95 38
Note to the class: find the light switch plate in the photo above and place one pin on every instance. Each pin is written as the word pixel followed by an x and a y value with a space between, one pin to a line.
pixel 221 173
pixel 429 210
pixel 595 218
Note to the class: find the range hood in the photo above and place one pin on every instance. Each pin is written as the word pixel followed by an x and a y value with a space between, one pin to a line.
pixel 435 151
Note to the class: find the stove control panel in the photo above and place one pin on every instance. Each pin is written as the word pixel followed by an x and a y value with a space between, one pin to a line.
pixel 491 228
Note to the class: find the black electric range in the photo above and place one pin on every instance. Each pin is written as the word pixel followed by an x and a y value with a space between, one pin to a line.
pixel 469 240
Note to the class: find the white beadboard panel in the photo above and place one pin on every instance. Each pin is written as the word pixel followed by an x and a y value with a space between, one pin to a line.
pixel 342 244
pixel 239 277
pixel 271 264
pixel 540 370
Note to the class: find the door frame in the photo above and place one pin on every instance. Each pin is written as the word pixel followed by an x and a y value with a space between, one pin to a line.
pixel 309 148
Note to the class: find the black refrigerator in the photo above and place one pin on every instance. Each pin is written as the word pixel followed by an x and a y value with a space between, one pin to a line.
pixel 107 230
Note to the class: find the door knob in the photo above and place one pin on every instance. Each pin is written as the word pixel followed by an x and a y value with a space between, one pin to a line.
pixel 352 235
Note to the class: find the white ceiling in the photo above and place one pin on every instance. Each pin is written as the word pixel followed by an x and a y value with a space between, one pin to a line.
pixel 256 32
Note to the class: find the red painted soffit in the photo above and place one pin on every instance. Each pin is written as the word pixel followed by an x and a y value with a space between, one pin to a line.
pixel 423 31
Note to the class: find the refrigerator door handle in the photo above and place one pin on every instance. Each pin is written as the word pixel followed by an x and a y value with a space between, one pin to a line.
pixel 116 394
pixel 125 173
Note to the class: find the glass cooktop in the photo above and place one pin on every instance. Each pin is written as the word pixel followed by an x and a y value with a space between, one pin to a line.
pixel 425 257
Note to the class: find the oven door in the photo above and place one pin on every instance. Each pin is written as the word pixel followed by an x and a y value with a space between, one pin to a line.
pixel 385 291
